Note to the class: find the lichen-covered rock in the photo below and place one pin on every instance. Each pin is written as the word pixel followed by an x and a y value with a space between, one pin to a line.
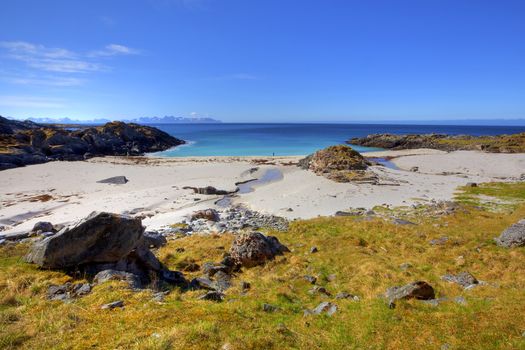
pixel 254 248
pixel 464 279
pixel 514 236
pixel 99 238
pixel 339 163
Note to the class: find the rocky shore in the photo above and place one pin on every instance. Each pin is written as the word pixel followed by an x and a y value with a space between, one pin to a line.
pixel 25 142
pixel 494 144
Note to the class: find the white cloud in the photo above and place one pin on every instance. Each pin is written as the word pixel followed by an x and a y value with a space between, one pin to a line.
pixel 113 50
pixel 64 62
pixel 48 59
pixel 61 60
pixel 31 102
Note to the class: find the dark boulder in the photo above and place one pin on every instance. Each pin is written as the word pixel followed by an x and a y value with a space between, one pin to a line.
pixel 254 248
pixel 154 239
pixel 514 236
pixel 43 226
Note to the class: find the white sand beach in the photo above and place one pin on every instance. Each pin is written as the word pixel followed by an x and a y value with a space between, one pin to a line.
pixel 64 192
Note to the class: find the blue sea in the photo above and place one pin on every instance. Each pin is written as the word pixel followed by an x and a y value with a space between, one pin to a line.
pixel 236 139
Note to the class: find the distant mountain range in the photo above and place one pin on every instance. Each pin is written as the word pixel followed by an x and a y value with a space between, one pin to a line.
pixel 143 120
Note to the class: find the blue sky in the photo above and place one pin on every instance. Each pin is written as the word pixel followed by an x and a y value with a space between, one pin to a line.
pixel 272 60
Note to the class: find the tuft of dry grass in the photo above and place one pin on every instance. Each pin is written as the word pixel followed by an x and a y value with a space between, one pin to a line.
pixel 357 256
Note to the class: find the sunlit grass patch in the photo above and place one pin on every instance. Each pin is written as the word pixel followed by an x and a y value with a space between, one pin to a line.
pixel 361 257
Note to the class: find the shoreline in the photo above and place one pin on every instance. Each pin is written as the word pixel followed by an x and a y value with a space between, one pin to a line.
pixel 63 192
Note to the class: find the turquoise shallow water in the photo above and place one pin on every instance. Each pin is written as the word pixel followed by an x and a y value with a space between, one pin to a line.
pixel 235 139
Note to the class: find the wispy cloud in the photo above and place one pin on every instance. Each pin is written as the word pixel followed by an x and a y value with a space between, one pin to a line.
pixel 48 59
pixel 65 62
pixel 31 102
pixel 114 50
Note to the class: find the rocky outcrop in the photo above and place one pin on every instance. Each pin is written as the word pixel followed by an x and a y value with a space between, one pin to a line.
pixel 338 163
pixel 254 248
pixel 104 242
pixel 24 143
pixel 495 144
pixel 514 236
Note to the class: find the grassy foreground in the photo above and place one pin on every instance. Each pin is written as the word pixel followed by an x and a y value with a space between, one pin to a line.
pixel 364 257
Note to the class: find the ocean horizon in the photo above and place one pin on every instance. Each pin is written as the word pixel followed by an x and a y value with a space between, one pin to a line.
pixel 292 139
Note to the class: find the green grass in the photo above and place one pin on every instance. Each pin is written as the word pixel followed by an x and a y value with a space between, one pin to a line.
pixel 363 255
pixel 495 196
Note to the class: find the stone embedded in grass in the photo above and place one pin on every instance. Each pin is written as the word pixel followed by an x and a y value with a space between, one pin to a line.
pixel 325 307
pixel 439 241
pixel 212 296
pixel 464 279
pixel 114 275
pixel 402 222
pixel 113 305
pixel 420 290
pixel 314 250
pixel 270 308
pixel 68 291
pixel 513 236
pixel 346 295
pixel 319 290
pixel 311 279
pixel 254 248
pixel 405 266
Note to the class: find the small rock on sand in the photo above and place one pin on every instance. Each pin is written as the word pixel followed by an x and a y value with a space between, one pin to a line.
pixel 115 180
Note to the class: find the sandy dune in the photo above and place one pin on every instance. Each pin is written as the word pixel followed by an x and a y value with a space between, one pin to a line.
pixel 63 192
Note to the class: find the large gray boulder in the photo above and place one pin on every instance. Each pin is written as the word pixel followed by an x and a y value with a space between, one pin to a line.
pixel 99 238
pixel 254 248
pixel 514 236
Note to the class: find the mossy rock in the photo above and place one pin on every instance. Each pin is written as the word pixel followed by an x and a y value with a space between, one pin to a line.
pixel 340 157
